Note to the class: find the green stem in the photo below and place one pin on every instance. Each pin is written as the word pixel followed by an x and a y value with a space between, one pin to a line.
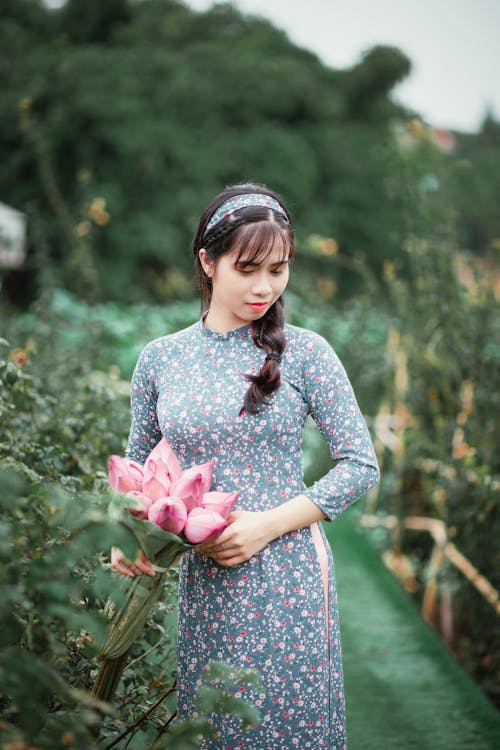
pixel 142 718
pixel 109 676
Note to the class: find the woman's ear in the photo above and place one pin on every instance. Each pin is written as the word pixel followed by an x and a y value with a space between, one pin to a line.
pixel 206 263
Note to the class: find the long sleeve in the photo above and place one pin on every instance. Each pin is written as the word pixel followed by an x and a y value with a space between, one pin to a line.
pixel 145 432
pixel 334 408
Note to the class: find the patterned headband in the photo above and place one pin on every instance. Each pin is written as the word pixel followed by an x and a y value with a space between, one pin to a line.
pixel 242 201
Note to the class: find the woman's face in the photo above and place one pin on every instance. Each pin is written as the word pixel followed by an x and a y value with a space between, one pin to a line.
pixel 243 291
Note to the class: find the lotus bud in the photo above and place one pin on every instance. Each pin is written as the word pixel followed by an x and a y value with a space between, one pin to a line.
pixel 169 513
pixel 142 505
pixel 124 475
pixel 195 482
pixel 157 482
pixel 203 525
pixel 164 457
pixel 220 502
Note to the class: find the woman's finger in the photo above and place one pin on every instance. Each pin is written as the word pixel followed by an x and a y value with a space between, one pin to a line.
pixel 119 564
pixel 144 567
pixel 223 541
pixel 127 568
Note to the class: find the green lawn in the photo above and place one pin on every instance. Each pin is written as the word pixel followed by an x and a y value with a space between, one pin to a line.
pixel 404 690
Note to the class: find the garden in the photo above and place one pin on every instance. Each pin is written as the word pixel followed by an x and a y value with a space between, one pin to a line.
pixel 397 267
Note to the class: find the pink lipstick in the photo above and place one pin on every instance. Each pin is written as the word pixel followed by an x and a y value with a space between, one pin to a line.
pixel 257 306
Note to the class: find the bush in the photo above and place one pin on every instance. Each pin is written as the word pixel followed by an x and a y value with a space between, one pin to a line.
pixel 60 420
pixel 439 454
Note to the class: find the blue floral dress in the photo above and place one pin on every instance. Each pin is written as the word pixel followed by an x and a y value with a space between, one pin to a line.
pixel 276 613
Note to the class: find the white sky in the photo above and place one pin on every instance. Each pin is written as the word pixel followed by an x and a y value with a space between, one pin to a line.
pixel 454 46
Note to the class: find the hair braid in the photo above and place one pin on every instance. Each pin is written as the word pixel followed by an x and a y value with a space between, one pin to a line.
pixel 231 232
pixel 268 333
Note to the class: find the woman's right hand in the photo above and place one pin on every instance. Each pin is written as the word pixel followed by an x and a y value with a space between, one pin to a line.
pixel 128 568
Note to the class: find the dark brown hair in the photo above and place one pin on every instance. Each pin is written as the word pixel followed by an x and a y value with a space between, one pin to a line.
pixel 254 231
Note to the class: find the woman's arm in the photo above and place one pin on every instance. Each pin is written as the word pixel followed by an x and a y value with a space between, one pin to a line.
pixel 249 532
pixel 334 408
pixel 145 431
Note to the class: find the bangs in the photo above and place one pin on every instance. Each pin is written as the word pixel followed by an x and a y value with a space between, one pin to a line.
pixel 255 242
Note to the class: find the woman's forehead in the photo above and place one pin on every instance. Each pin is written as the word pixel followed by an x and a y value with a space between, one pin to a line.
pixel 271 256
pixel 272 249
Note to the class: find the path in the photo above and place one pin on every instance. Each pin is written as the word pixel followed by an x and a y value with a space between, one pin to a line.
pixel 404 690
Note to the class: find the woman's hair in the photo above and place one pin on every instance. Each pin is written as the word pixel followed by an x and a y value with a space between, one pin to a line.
pixel 254 232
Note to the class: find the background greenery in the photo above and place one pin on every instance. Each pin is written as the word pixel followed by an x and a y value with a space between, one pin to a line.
pixel 118 122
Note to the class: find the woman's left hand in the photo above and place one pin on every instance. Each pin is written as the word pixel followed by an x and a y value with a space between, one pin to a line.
pixel 246 535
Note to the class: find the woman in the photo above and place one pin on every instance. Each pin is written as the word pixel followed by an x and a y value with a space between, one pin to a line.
pixel 237 386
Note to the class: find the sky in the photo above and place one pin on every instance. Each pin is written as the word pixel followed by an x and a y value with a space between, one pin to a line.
pixel 454 46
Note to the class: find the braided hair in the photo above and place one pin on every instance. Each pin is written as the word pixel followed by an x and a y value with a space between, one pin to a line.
pixel 253 231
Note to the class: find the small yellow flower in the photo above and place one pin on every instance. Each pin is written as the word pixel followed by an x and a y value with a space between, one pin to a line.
pixel 326 287
pixel 323 245
pixel 97 212
pixel 19 356
pixel 25 103
pixel 389 270
pixel 416 128
pixel 102 218
pixel 82 229
pixel 330 246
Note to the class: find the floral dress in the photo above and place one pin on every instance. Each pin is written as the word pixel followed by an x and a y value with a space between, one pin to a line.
pixel 276 613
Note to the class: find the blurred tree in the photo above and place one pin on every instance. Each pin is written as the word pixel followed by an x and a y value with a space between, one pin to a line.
pixel 120 120
pixel 92 20
pixel 475 185
pixel 368 84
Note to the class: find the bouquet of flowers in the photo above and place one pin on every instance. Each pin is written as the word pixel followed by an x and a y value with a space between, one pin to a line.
pixel 168 511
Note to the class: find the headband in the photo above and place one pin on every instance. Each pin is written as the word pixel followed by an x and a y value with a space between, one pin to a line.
pixel 242 201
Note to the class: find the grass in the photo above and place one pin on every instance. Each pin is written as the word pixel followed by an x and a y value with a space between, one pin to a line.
pixel 404 690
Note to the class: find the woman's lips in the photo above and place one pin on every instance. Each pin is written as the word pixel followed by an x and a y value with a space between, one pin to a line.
pixel 257 305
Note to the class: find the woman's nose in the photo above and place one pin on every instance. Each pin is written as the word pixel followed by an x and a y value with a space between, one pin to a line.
pixel 261 285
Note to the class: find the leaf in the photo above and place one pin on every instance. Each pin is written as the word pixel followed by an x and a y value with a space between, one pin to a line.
pixel 84 698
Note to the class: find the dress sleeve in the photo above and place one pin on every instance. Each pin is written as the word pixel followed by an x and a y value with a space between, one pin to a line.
pixel 145 431
pixel 333 406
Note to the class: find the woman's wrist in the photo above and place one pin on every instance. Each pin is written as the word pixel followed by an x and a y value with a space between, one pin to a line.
pixel 294 514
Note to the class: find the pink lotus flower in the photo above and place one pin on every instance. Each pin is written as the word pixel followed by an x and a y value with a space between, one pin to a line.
pixel 169 513
pixel 203 525
pixel 194 483
pixel 124 475
pixel 177 501
pixel 143 504
pixel 220 502
pixel 157 482
pixel 163 455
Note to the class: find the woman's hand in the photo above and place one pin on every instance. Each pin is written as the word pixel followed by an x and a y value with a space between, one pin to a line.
pixel 141 565
pixel 247 534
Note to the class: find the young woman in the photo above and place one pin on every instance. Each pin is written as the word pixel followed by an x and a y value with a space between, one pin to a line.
pixel 237 386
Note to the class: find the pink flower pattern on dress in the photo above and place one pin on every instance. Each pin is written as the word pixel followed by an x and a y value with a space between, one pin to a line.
pixel 272 613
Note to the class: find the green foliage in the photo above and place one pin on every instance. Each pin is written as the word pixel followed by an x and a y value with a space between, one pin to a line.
pixel 443 393
pixel 48 588
pixel 119 121
pixel 61 418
